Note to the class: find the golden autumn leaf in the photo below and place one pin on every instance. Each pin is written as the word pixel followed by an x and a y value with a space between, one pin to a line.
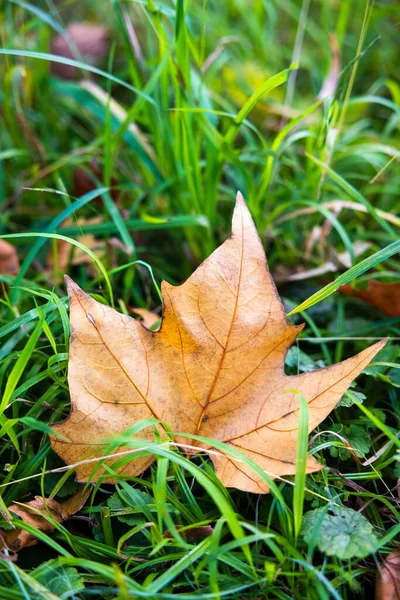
pixel 215 368
pixel 38 513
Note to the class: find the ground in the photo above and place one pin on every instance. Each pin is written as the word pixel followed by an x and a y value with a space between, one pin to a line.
pixel 130 135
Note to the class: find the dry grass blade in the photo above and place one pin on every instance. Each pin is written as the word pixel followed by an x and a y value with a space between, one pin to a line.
pixel 330 84
pixel 339 204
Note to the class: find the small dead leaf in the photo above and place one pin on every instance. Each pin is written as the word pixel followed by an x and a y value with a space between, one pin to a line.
pixel 214 369
pixel 148 318
pixel 90 42
pixel 385 296
pixel 35 512
pixel 9 263
pixel 192 533
pixel 388 578
pixel 79 256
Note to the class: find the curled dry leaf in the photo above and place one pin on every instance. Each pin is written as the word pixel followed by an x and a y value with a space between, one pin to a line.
pixel 214 369
pixel 385 296
pixel 9 263
pixel 37 513
pixel 388 578
pixel 80 41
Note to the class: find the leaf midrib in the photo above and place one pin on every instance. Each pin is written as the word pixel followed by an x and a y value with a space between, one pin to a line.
pixel 225 349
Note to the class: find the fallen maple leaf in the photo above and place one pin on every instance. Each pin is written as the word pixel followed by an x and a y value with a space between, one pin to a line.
pixel 35 512
pixel 383 295
pixel 215 368
pixel 388 579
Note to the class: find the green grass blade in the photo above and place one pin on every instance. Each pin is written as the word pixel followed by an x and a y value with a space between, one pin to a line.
pixel 75 63
pixel 301 465
pixel 56 236
pixel 19 367
pixel 353 193
pixel 268 86
pixel 53 225
pixel 348 276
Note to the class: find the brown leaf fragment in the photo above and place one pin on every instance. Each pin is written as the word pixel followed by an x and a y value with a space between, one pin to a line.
pixel 388 578
pixel 81 41
pixel 9 263
pixel 383 295
pixel 214 369
pixel 37 513
pixel 149 319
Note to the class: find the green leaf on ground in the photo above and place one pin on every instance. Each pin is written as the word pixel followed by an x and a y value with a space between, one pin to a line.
pixel 340 531
pixel 351 397
pixel 357 437
pixel 61 581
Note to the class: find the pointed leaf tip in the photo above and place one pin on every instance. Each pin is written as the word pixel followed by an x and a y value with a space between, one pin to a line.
pixel 243 225
pixel 71 285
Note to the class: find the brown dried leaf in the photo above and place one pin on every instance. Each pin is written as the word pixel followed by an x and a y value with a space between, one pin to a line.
pixel 90 41
pixel 35 512
pixel 9 263
pixel 388 579
pixel 215 368
pixel 385 296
